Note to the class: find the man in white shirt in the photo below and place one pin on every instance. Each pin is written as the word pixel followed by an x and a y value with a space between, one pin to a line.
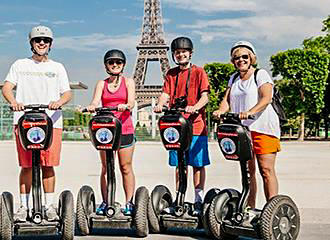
pixel 38 80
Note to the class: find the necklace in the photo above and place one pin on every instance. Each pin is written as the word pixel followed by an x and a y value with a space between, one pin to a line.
pixel 114 84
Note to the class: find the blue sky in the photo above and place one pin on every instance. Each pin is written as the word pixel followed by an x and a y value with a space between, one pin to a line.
pixel 84 30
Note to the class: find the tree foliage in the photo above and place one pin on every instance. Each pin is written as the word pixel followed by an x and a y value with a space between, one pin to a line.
pixel 218 74
pixel 304 75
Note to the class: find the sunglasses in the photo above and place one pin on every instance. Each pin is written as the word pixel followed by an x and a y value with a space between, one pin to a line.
pixel 245 57
pixel 45 40
pixel 112 62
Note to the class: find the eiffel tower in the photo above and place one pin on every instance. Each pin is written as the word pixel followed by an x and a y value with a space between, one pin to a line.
pixel 152 47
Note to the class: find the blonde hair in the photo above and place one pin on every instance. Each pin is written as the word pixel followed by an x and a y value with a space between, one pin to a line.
pixel 238 51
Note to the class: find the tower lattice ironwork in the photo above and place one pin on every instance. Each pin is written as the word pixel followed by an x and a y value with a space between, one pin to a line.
pixel 152 47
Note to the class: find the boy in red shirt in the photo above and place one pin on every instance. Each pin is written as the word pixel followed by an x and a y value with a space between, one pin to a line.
pixel 190 82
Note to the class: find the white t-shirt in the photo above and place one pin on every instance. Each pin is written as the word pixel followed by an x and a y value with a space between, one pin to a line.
pixel 39 83
pixel 244 96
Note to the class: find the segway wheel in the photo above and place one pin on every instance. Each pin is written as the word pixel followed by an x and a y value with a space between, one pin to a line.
pixel 160 199
pixel 6 211
pixel 141 212
pixel 206 206
pixel 280 219
pixel 222 208
pixel 66 213
pixel 85 207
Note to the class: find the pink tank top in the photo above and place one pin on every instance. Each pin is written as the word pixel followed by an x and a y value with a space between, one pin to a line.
pixel 112 99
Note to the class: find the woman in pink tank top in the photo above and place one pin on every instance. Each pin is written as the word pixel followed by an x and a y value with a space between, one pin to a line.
pixel 119 91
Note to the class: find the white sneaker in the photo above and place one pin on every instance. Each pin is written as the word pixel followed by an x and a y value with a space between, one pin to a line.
pixel 197 209
pixel 21 214
pixel 168 210
pixel 51 214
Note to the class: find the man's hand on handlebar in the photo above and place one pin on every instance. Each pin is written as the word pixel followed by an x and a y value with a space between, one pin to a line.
pixel 17 106
pixel 191 109
pixel 54 105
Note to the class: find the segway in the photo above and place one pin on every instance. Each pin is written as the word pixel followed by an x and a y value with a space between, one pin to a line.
pixel 105 133
pixel 176 134
pixel 35 134
pixel 229 216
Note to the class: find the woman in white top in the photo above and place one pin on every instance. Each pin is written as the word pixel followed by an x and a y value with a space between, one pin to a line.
pixel 250 95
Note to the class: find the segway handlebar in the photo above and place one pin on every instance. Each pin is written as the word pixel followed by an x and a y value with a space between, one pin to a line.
pixel 166 109
pixel 235 116
pixel 35 107
pixel 101 109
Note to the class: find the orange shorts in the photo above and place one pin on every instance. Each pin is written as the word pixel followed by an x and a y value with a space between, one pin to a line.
pixel 49 157
pixel 264 144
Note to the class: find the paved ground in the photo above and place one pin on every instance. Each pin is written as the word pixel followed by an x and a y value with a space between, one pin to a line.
pixel 303 171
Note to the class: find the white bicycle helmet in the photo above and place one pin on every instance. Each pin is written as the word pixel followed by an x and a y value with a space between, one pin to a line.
pixel 41 31
pixel 245 44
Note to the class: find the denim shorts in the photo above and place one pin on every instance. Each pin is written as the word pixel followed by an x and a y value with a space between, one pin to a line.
pixel 198 153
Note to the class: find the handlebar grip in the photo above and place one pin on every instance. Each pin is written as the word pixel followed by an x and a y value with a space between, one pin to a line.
pixel 236 115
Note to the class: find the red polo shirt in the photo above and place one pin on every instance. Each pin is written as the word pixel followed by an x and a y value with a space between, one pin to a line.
pixel 198 84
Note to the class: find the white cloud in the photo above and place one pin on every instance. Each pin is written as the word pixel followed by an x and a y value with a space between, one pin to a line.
pixel 272 30
pixel 283 7
pixel 62 22
pixel 96 41
pixel 34 23
pixel 7 34
pixel 270 22
pixel 211 6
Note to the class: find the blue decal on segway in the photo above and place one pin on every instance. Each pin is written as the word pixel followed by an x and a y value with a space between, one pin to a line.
pixel 104 135
pixel 171 135
pixel 228 145
pixel 36 135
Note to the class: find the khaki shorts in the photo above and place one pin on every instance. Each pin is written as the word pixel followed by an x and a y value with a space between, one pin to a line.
pixel 49 157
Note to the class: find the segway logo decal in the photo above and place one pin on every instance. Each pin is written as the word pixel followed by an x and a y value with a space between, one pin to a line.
pixel 36 135
pixel 104 135
pixel 27 124
pixel 228 146
pixel 102 125
pixel 171 135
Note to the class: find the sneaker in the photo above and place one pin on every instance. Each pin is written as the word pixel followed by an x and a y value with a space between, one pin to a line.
pixel 197 209
pixel 168 210
pixel 128 210
pixel 51 214
pixel 21 214
pixel 101 209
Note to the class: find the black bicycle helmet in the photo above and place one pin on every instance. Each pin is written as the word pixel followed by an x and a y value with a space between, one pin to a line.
pixel 114 54
pixel 182 43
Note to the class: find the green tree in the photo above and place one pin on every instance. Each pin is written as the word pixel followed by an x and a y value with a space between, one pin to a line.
pixel 304 74
pixel 218 74
pixel 322 44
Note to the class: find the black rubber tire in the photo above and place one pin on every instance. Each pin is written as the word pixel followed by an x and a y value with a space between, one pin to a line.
pixel 280 219
pixel 206 206
pixel 66 213
pixel 226 205
pixel 6 211
pixel 154 225
pixel 83 212
pixel 141 212
pixel 165 200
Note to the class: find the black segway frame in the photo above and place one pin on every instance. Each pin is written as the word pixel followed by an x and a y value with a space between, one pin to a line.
pixel 176 134
pixel 36 119
pixel 87 219
pixel 228 217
